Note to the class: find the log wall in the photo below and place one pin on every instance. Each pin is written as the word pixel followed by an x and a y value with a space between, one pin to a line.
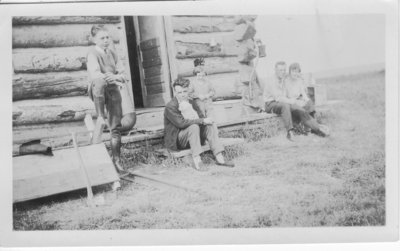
pixel 49 61
pixel 211 37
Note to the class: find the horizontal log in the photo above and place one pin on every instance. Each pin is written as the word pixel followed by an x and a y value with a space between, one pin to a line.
pixel 38 60
pixel 54 110
pixel 45 36
pixel 193 50
pixel 226 85
pixel 213 65
pixel 245 18
pixel 224 38
pixel 226 16
pixel 49 20
pixel 39 111
pixel 46 85
pixel 206 24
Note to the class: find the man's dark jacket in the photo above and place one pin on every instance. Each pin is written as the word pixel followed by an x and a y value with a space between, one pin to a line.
pixel 174 122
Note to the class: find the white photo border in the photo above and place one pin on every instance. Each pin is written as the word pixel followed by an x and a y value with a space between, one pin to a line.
pixel 390 232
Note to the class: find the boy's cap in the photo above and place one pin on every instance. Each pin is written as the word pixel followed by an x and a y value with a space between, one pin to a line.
pixel 198 61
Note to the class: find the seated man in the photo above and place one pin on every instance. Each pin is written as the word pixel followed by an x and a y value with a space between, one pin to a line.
pixel 182 133
pixel 276 101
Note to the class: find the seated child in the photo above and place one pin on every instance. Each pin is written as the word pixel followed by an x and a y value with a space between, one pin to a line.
pixel 201 90
pixel 187 110
pixel 296 90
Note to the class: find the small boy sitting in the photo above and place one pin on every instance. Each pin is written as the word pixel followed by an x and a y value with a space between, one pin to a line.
pixel 201 90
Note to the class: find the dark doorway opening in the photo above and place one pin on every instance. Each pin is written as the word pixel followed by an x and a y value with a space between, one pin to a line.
pixel 133 62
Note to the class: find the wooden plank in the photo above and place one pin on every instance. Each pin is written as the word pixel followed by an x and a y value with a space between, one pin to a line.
pixel 213 65
pixel 38 60
pixel 49 20
pixel 155 88
pixel 226 85
pixel 36 176
pixel 46 85
pixel 179 154
pixel 205 24
pixel 46 36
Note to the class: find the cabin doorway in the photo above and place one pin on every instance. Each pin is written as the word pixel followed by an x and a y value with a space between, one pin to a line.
pixel 149 60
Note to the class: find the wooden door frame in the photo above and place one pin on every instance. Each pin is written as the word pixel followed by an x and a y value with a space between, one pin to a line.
pixel 171 52
pixel 124 43
pixel 139 58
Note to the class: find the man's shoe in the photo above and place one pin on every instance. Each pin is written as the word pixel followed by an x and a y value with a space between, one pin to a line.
pixel 323 131
pixel 199 166
pixel 118 165
pixel 226 163
pixel 290 135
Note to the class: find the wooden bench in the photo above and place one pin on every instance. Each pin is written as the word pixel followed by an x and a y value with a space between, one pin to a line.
pixel 179 154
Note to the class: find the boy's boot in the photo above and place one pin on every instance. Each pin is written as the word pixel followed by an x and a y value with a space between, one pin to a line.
pixel 116 153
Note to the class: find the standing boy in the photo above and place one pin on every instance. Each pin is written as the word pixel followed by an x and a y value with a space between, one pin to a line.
pixel 105 74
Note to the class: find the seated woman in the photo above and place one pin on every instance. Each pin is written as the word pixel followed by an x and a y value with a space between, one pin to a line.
pixel 297 91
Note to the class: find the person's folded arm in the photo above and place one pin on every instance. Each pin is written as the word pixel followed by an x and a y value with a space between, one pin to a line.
pixel 279 96
pixel 176 118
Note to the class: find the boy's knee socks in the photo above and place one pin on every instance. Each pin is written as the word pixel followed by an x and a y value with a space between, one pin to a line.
pixel 99 104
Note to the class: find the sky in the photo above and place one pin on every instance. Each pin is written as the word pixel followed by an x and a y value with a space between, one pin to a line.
pixel 321 42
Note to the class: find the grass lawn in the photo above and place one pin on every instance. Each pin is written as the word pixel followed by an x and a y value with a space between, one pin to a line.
pixel 334 181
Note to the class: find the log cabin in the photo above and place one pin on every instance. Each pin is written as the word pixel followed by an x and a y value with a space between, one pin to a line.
pixel 50 79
